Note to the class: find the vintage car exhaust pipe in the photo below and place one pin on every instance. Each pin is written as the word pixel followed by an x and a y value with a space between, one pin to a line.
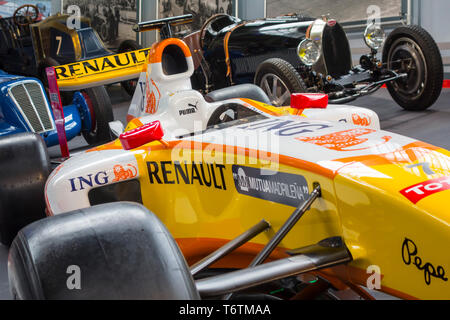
pixel 326 253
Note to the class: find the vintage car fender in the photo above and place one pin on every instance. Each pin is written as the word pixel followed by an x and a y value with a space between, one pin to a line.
pixel 24 107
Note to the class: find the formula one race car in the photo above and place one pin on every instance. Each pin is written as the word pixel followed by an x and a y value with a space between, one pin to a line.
pixel 24 107
pixel 223 187
pixel 28 46
pixel 301 54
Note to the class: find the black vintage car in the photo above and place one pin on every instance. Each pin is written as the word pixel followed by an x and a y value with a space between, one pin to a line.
pixel 301 54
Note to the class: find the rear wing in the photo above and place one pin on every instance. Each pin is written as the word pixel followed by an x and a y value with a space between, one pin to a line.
pixel 118 67
pixel 101 71
pixel 163 24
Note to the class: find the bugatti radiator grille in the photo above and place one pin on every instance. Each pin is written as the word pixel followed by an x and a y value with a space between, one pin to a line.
pixel 30 100
pixel 336 51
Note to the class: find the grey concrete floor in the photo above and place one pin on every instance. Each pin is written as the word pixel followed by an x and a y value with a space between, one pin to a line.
pixel 431 126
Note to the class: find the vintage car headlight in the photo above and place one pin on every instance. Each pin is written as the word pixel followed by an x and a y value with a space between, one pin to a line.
pixel 308 52
pixel 374 36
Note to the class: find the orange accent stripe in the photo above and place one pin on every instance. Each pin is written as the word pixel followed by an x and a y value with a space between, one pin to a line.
pixel 258 105
pixel 282 159
pixel 137 122
pixel 369 160
pixel 226 40
pixel 155 54
pixel 401 155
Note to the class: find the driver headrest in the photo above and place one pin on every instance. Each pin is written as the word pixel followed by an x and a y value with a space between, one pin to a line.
pixel 171 58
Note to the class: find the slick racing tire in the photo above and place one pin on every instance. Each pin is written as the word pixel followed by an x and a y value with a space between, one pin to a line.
pixel 129 45
pixel 100 108
pixel 420 60
pixel 24 168
pixel 111 251
pixel 278 78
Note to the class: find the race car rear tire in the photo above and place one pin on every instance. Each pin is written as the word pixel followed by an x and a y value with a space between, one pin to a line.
pixel 111 251
pixel 278 78
pixel 422 87
pixel 24 168
pixel 66 96
pixel 101 114
pixel 129 45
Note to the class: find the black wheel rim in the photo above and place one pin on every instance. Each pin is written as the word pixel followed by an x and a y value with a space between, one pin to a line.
pixel 406 56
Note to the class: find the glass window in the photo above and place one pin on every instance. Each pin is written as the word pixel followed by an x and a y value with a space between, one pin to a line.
pixel 342 10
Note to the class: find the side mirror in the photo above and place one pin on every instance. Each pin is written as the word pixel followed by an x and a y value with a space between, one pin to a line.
pixel 116 128
pixel 142 135
pixel 309 100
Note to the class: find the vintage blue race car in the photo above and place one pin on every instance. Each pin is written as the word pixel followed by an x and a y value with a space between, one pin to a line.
pixel 24 107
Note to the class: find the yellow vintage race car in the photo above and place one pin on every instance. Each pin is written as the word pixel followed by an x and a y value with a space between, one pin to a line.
pixel 227 197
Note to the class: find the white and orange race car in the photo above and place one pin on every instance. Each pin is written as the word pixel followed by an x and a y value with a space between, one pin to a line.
pixel 224 196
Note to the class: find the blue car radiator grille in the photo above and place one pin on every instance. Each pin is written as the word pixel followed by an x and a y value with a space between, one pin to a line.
pixel 29 98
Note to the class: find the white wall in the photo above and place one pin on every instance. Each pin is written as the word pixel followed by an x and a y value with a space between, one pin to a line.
pixel 434 16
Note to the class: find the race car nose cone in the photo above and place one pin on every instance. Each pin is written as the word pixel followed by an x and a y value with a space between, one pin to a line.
pixel 139 136
pixel 309 100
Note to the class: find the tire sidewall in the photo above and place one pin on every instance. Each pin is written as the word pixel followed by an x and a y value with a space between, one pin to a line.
pixel 432 61
pixel 283 70
pixel 102 107
pixel 126 46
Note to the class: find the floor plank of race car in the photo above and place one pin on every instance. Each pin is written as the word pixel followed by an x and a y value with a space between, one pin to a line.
pixel 430 126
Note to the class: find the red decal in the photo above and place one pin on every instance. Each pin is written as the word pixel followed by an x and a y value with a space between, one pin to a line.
pixel 331 22
pixel 342 140
pixel 120 173
pixel 424 189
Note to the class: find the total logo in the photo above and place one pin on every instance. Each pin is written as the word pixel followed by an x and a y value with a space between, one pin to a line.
pixel 422 190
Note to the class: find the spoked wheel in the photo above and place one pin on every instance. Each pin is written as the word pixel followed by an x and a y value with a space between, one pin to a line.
pixel 412 50
pixel 26 15
pixel 276 89
pixel 279 79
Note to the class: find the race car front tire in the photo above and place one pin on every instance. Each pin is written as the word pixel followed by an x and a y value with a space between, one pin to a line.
pixel 100 107
pixel 24 168
pixel 111 251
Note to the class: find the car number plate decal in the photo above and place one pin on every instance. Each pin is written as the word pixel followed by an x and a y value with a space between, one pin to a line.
pixel 280 187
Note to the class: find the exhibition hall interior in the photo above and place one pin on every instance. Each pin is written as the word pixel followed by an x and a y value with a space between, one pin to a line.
pixel 225 150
